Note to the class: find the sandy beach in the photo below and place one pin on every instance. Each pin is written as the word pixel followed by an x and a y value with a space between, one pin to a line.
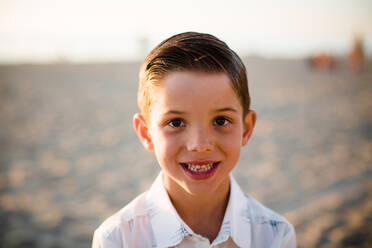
pixel 69 157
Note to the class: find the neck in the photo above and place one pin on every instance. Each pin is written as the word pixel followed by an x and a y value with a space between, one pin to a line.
pixel 203 213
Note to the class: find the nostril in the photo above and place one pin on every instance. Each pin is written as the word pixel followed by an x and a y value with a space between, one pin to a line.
pixel 199 140
pixel 201 147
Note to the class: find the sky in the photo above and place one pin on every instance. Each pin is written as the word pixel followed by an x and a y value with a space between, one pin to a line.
pixel 111 30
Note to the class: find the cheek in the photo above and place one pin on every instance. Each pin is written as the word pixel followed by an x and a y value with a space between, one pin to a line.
pixel 233 138
pixel 166 146
pixel 232 143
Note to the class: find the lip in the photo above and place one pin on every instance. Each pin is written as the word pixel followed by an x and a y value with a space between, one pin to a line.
pixel 200 175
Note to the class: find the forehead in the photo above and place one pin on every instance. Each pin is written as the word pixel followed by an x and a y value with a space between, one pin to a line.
pixel 195 89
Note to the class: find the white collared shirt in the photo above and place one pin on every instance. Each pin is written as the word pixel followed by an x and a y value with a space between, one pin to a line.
pixel 150 220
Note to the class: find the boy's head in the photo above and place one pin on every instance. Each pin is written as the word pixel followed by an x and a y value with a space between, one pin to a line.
pixel 195 52
pixel 194 100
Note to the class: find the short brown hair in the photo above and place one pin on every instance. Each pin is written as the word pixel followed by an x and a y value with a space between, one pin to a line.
pixel 191 51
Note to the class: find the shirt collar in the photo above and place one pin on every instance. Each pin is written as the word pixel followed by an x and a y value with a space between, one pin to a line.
pixel 166 224
pixel 170 230
pixel 236 216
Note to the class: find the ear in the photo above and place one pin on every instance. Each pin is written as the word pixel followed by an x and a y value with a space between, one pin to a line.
pixel 248 126
pixel 142 130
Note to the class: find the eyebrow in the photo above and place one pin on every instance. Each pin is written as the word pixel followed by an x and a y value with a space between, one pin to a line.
pixel 174 112
pixel 227 109
pixel 177 112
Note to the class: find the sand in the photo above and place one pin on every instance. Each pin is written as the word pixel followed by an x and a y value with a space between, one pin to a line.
pixel 69 157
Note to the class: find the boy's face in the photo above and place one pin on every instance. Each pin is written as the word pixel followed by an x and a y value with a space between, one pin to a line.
pixel 196 129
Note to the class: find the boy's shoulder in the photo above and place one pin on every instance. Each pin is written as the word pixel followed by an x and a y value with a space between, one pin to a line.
pixel 263 225
pixel 112 229
pixel 252 209
pixel 259 213
pixel 267 226
pixel 131 210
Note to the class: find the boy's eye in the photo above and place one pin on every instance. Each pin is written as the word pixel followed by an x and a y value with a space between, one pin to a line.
pixel 221 121
pixel 176 123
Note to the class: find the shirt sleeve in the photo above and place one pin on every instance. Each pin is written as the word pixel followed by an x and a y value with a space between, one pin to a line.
pixel 105 241
pixel 289 238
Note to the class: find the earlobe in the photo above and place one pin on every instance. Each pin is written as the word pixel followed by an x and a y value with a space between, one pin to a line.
pixel 248 126
pixel 142 130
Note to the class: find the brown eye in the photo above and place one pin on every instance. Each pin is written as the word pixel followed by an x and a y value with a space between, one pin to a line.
pixel 221 121
pixel 176 123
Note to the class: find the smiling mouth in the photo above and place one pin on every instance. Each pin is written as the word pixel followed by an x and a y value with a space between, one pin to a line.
pixel 200 168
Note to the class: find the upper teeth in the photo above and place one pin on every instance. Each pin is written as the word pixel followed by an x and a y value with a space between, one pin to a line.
pixel 200 168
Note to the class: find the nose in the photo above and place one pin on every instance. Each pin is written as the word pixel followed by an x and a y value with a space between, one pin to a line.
pixel 199 140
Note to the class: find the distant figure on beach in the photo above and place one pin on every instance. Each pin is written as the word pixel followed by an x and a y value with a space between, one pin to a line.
pixel 195 116
pixel 322 61
pixel 356 55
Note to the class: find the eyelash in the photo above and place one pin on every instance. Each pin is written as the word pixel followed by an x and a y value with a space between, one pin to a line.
pixel 227 121
pixel 181 123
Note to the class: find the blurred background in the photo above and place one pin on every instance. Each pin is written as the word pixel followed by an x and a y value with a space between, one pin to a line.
pixel 69 157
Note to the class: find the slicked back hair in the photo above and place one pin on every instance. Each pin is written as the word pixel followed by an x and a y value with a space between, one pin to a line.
pixel 196 52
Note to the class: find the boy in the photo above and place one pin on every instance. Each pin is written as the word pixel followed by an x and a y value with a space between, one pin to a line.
pixel 195 116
